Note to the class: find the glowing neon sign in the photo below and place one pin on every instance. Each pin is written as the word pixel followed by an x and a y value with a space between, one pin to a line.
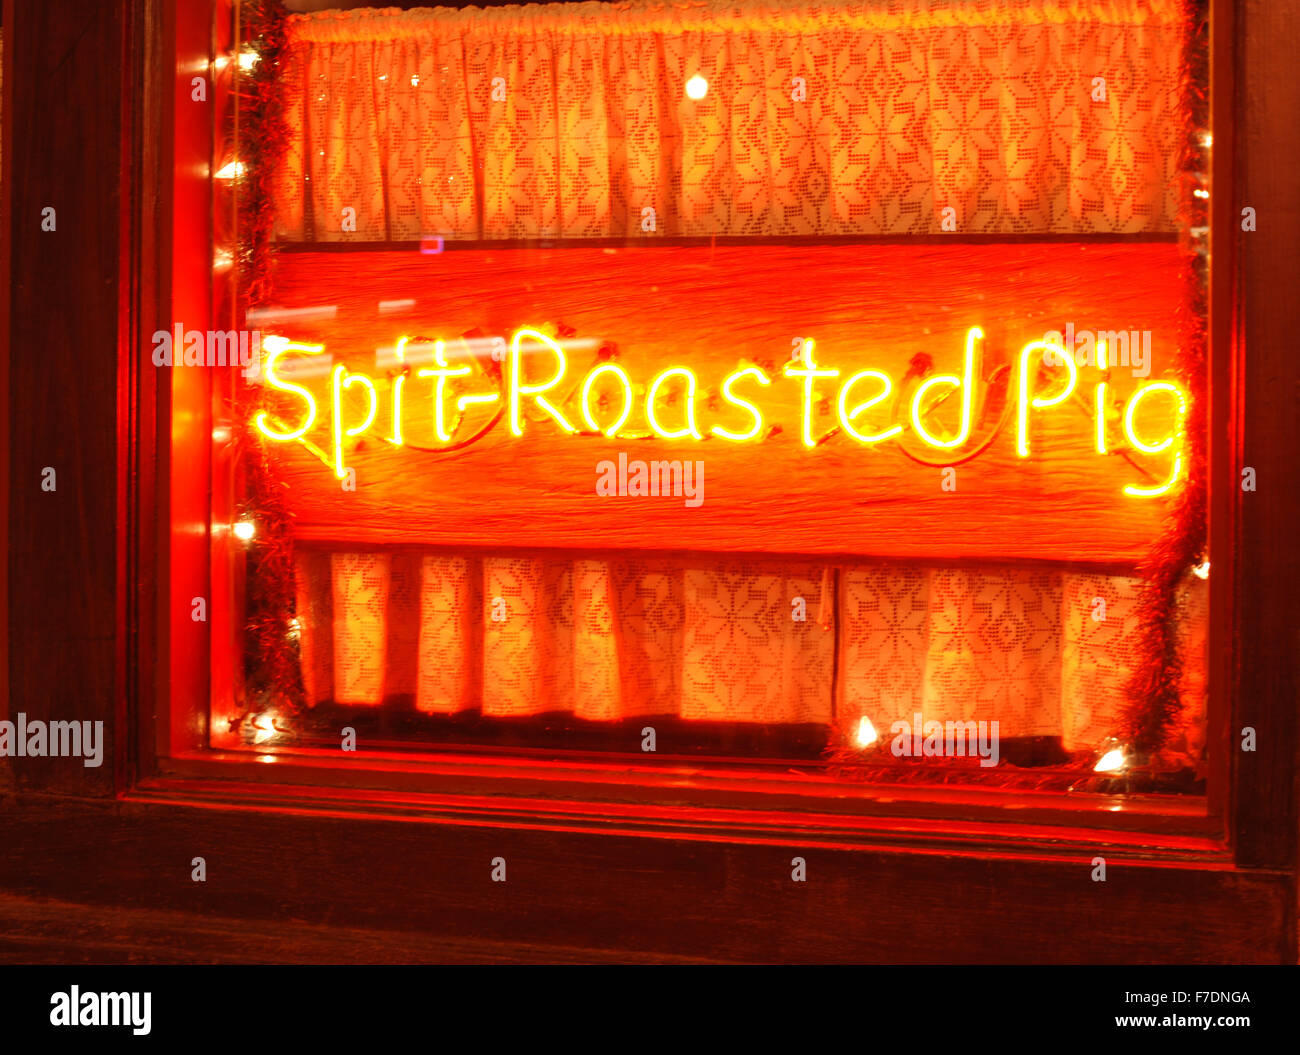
pixel 532 392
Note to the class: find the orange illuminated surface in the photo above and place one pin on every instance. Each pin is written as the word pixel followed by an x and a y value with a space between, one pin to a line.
pixel 885 400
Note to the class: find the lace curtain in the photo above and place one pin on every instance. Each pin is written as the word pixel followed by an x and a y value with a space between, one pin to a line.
pixel 1043 652
pixel 828 118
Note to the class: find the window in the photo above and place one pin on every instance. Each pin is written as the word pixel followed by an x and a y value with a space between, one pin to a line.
pixel 818 386
pixel 610 850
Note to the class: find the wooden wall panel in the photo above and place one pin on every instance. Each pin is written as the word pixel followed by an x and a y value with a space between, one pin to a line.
pixel 64 372
pixel 1268 611
pixel 724 897
pixel 710 308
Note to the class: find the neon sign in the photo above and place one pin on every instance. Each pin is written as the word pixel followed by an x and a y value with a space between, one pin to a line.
pixel 530 392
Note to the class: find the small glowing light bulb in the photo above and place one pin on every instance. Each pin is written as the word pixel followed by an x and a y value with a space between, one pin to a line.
pixel 263 728
pixel 233 170
pixel 244 530
pixel 1202 570
pixel 248 58
pixel 415 80
pixel 866 732
pixel 1201 193
pixel 697 88
pixel 1207 139
pixel 1111 762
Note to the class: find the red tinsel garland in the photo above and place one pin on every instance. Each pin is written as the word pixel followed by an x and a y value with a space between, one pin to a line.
pixel 273 674
pixel 264 138
pixel 1154 701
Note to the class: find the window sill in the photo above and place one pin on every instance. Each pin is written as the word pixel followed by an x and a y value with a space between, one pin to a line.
pixel 752 803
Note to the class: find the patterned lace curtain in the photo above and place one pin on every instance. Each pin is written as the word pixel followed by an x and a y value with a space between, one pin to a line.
pixel 1043 652
pixel 569 120
pixel 832 118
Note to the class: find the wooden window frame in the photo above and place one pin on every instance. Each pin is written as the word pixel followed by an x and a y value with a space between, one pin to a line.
pixel 586 845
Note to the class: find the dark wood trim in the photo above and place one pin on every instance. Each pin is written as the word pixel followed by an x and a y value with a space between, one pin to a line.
pixel 6 186
pixel 1223 420
pixel 65 81
pixel 452 245
pixel 688 821
pixel 634 896
pixel 144 289
pixel 703 558
pixel 621 783
pixel 1267 609
pixel 39 930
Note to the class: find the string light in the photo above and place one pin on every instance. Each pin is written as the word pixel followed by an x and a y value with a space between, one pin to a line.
pixel 652 393
pixel 264 727
pixel 866 734
pixel 808 370
pixel 441 372
pixel 275 346
pixel 1156 448
pixel 518 390
pixel 697 88
pixel 681 406
pixel 398 383
pixel 1100 398
pixel 1113 761
pixel 231 170
pixel 966 383
pixel 342 381
pixel 1026 386
pixel 607 368
pixel 847 416
pixel 743 404
pixel 244 530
